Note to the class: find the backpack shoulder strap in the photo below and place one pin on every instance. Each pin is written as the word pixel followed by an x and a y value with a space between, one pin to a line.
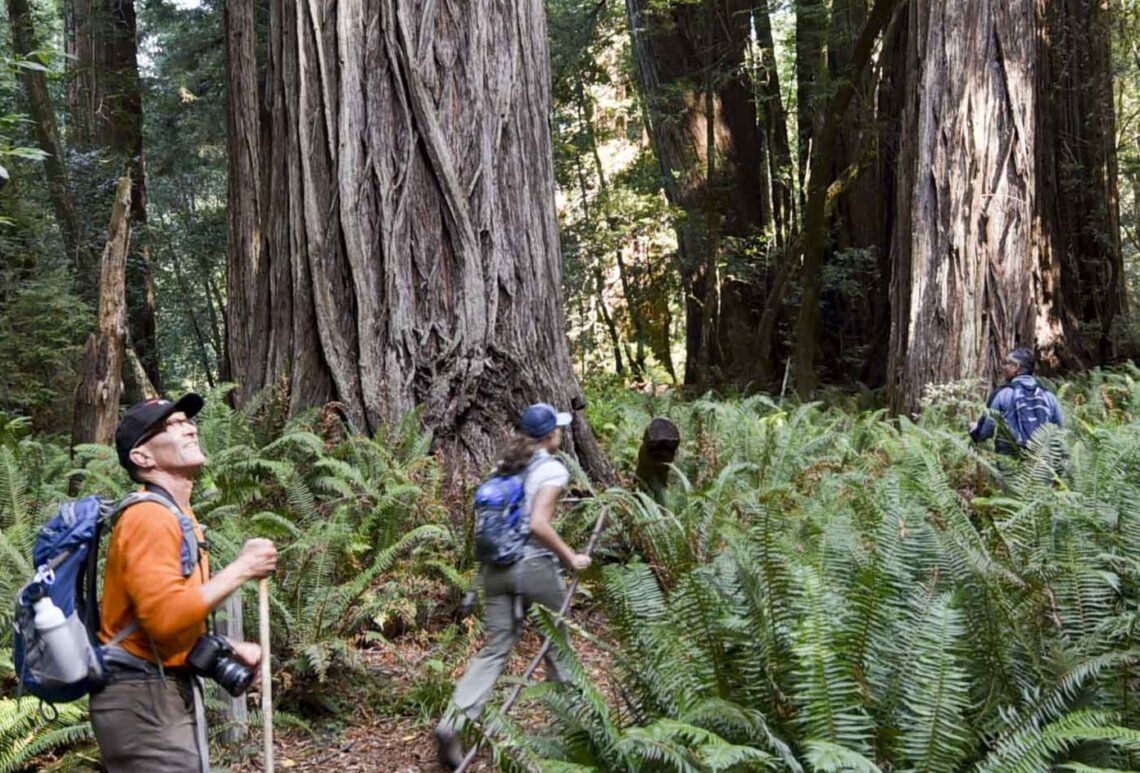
pixel 994 394
pixel 190 542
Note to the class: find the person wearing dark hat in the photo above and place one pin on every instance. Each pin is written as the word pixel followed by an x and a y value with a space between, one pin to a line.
pixel 157 594
pixel 1023 404
pixel 535 578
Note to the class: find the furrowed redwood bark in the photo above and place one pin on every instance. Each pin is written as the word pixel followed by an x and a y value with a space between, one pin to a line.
pixel 1005 233
pixel 409 256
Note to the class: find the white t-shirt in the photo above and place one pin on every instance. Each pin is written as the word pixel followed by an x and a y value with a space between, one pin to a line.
pixel 545 470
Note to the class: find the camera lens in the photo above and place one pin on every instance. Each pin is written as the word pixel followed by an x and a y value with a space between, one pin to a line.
pixel 213 658
pixel 233 676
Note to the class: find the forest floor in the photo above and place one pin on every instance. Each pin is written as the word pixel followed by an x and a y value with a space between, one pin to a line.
pixel 376 740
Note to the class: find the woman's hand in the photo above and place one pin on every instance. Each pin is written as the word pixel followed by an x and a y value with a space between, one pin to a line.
pixel 580 561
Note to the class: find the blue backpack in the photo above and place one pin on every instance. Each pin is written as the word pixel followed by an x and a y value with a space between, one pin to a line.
pixel 1030 410
pixel 66 557
pixel 502 525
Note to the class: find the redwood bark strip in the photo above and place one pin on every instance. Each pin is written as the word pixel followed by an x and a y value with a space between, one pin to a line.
pixel 411 244
pixel 971 203
pixel 247 273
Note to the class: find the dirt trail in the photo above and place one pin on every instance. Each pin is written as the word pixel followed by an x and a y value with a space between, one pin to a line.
pixel 396 744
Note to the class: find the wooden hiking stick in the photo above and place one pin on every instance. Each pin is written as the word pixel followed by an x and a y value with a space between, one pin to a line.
pixel 509 703
pixel 266 679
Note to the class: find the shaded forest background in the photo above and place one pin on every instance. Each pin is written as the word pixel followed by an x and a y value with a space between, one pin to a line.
pixel 750 196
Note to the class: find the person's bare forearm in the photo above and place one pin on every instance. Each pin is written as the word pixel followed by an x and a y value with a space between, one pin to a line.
pixel 215 590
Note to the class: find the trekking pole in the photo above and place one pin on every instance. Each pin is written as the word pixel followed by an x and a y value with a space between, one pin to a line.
pixel 266 679
pixel 562 612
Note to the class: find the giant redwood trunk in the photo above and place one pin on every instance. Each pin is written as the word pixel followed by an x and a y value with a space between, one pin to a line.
pixel 983 260
pixel 405 253
pixel 105 105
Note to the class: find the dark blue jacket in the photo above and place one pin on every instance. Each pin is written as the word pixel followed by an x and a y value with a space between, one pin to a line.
pixel 1002 402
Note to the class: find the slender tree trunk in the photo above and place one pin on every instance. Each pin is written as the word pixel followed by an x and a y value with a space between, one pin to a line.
pixel 851 310
pixel 25 41
pixel 97 398
pixel 595 260
pixel 632 302
pixel 773 118
pixel 892 107
pixel 411 245
pixel 105 100
pixel 811 95
pixel 608 319
pixel 783 175
pixel 988 226
pixel 195 327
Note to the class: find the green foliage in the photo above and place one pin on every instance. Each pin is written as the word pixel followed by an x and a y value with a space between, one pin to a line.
pixel 358 524
pixel 853 594
pixel 26 733
pixel 618 254
pixel 342 514
pixel 185 98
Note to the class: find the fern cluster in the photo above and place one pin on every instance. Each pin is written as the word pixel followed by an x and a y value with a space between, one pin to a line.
pixel 827 591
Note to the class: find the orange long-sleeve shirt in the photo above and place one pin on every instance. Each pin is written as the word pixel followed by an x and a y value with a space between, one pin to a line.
pixel 143 579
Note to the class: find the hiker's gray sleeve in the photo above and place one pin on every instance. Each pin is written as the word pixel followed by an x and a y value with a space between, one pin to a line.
pixel 984 430
pixel 986 424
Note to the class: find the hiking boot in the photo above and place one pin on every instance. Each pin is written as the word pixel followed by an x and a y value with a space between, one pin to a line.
pixel 450 750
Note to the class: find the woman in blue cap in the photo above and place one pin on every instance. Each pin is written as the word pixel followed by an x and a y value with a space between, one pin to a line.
pixel 536 578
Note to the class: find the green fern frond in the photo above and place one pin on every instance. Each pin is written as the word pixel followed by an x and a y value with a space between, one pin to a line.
pixel 827 757
pixel 937 693
pixel 830 700
pixel 1034 748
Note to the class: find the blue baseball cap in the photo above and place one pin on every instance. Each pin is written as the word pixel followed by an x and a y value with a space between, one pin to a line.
pixel 540 419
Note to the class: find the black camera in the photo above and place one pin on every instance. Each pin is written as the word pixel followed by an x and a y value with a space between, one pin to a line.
pixel 213 657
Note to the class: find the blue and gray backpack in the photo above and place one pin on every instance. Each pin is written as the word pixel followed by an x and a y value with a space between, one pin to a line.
pixel 66 557
pixel 1030 410
pixel 502 525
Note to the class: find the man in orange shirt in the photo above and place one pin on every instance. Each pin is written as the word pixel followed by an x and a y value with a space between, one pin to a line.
pixel 149 716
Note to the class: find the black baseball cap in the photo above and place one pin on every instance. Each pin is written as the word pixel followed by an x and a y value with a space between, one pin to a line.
pixel 143 419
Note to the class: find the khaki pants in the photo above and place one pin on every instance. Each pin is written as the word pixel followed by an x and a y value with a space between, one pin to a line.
pixel 150 725
pixel 536 580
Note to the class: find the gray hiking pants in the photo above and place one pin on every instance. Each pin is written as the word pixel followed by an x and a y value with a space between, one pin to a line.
pixel 146 725
pixel 536 580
